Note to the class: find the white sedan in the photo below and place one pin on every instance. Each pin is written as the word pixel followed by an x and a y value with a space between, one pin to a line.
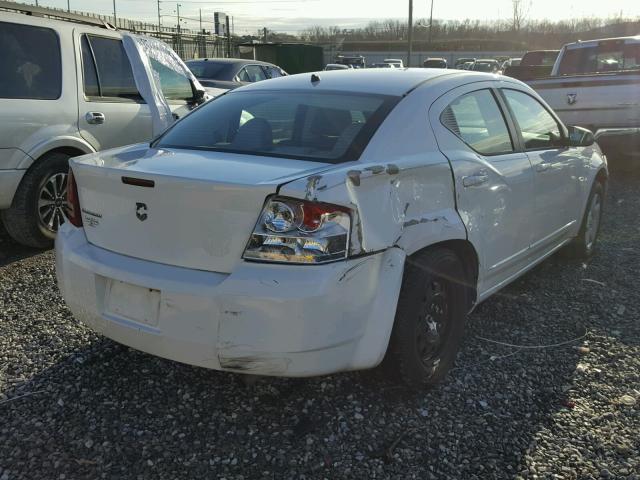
pixel 318 222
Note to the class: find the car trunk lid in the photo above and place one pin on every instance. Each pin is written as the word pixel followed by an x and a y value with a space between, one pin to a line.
pixel 188 208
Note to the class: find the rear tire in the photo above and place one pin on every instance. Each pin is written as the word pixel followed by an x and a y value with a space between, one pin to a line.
pixel 23 220
pixel 430 318
pixel 584 245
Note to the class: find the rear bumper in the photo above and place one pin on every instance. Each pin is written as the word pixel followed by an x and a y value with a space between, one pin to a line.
pixel 263 319
pixel 9 181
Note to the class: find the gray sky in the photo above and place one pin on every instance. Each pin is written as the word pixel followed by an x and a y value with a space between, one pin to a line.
pixel 294 15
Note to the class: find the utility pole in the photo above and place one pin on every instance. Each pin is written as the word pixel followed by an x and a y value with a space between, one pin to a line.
pixel 228 37
pixel 264 35
pixel 233 28
pixel 410 33
pixel 36 3
pixel 200 21
pixel 159 20
pixel 178 14
pixel 430 23
pixel 115 18
pixel 68 5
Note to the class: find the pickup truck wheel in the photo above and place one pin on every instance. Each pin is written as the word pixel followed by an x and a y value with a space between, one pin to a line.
pixel 430 318
pixel 40 203
pixel 584 244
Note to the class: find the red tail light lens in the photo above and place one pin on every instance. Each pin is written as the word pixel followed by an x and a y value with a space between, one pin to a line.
pixel 73 214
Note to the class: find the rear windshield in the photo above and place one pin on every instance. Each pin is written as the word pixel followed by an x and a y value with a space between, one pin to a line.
pixel 212 70
pixel 321 126
pixel 435 64
pixel 539 58
pixel 483 66
pixel 610 56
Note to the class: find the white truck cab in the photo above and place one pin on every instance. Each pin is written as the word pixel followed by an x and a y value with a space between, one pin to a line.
pixel 67 88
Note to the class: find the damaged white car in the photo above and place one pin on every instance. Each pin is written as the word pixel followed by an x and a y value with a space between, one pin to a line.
pixel 316 223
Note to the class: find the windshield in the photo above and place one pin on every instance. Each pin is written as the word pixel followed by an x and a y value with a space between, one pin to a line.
pixel 210 70
pixel 435 64
pixel 327 127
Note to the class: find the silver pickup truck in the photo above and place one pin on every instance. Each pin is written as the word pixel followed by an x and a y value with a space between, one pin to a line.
pixel 596 84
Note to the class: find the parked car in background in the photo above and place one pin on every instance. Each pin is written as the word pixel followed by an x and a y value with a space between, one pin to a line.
pixel 382 65
pixel 306 225
pixel 219 75
pixel 66 89
pixel 460 62
pixel 435 63
pixel 487 65
pixel 466 66
pixel 596 84
pixel 336 66
pixel 534 64
pixel 355 61
pixel 396 62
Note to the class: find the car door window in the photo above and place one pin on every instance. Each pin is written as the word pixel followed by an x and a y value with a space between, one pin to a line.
pixel 252 73
pixel 174 86
pixel 477 119
pixel 30 66
pixel 273 72
pixel 539 129
pixel 114 76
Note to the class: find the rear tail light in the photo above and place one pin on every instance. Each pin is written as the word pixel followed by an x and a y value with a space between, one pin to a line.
pixel 297 231
pixel 73 214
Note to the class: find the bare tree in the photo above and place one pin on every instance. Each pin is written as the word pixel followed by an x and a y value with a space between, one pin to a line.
pixel 520 11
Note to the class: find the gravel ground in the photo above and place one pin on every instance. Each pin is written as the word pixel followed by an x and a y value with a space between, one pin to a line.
pixel 74 405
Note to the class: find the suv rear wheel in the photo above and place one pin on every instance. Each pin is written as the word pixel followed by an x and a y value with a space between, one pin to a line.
pixel 40 204
pixel 430 317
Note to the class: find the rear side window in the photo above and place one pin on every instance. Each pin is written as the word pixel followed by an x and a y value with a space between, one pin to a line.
pixel 30 65
pixel 251 73
pixel 273 72
pixel 327 127
pixel 607 56
pixel 478 121
pixel 107 70
pixel 539 129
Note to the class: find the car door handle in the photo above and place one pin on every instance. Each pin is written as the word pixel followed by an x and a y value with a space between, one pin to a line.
pixel 95 118
pixel 475 180
pixel 543 167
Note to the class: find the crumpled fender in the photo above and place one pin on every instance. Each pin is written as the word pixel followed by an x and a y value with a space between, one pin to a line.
pixel 408 204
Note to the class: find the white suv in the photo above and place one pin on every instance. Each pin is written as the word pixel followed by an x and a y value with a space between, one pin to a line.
pixel 66 89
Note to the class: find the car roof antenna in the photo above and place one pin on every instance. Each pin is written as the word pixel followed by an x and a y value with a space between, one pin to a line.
pixel 315 78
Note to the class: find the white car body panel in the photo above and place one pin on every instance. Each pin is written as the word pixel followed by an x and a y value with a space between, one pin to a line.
pixel 216 310
pixel 200 213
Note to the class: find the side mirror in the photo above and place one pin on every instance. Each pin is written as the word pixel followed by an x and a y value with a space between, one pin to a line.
pixel 198 97
pixel 580 137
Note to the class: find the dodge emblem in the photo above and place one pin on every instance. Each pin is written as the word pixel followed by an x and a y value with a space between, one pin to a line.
pixel 572 98
pixel 141 211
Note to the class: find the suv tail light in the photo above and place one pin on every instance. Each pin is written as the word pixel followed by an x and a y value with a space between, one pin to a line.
pixel 73 214
pixel 298 231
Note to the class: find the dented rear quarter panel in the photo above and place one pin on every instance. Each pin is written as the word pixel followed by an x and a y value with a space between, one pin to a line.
pixel 401 187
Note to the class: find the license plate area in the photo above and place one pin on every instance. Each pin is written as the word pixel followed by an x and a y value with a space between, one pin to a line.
pixel 132 302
